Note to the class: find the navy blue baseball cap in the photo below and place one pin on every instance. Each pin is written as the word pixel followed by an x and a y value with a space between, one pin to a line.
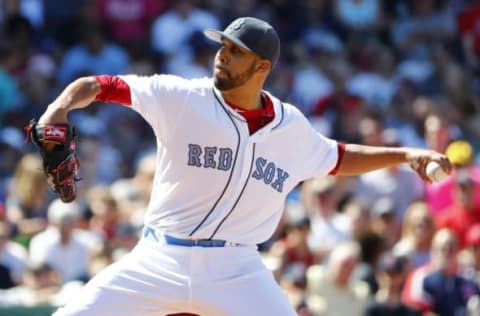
pixel 252 34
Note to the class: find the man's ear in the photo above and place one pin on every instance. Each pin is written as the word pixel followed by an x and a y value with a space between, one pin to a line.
pixel 263 66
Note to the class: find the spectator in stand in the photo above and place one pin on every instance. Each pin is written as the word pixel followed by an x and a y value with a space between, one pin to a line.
pixel 126 237
pixel 439 287
pixel 13 259
pixel 93 55
pixel 398 183
pixel 61 246
pixel 385 222
pixel 19 33
pixel 417 111
pixel 348 110
pixel 427 25
pixel 328 227
pixel 129 21
pixel 2 211
pixel 470 35
pixel 41 287
pixel 371 128
pixel 391 276
pixel 359 218
pixel 377 80
pixel 332 290
pixel 143 178
pixel 293 249
pixel 470 39
pixel 11 95
pixel 132 193
pixel 38 83
pixel 199 63
pixel 61 19
pixel 101 160
pixel 314 15
pixel 361 18
pixel 463 212
pixel 294 283
pixel 185 18
pixel 438 132
pixel 452 81
pixel 105 213
pixel 33 10
pixel 470 256
pixel 440 195
pixel 27 199
pixel 372 246
pixel 11 151
pixel 320 46
pixel 418 230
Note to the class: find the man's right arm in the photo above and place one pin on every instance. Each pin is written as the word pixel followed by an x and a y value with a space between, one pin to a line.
pixel 78 94
pixel 83 91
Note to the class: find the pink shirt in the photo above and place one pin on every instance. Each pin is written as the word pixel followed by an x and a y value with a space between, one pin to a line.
pixel 440 195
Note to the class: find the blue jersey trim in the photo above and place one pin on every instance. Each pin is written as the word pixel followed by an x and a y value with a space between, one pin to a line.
pixel 281 118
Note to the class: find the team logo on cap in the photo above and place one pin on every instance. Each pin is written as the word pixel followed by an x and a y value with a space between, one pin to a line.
pixel 238 24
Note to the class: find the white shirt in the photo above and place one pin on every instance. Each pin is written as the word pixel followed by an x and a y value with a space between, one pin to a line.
pixel 326 233
pixel 70 260
pixel 14 257
pixel 168 42
pixel 400 184
pixel 213 179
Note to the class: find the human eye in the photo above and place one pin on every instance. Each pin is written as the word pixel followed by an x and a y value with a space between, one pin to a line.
pixel 235 50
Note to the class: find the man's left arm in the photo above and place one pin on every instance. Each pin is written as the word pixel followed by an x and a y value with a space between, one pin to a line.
pixel 358 159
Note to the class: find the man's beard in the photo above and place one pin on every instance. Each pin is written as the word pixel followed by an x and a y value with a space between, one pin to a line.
pixel 225 84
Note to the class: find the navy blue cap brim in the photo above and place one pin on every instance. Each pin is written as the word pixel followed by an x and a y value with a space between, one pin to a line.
pixel 217 36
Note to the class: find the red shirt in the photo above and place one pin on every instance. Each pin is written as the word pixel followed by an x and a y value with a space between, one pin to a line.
pixel 258 118
pixel 459 220
pixel 469 23
pixel 129 20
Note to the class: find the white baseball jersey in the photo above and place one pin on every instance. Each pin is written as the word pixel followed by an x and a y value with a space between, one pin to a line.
pixel 214 179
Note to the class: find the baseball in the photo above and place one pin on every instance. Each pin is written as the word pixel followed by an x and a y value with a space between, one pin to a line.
pixel 435 172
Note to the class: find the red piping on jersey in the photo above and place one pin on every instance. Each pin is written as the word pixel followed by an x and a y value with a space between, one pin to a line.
pixel 113 89
pixel 341 152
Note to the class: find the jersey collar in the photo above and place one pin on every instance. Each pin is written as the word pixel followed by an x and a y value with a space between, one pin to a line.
pixel 277 109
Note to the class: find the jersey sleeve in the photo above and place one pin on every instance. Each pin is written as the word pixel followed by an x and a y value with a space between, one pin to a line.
pixel 322 155
pixel 326 151
pixel 113 89
pixel 160 100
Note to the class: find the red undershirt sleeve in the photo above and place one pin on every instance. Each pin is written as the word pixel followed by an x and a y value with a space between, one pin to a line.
pixel 341 152
pixel 113 89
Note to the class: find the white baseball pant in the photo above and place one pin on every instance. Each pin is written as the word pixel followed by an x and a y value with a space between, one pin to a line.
pixel 160 279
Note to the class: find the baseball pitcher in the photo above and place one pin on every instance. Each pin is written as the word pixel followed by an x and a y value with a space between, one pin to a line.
pixel 228 154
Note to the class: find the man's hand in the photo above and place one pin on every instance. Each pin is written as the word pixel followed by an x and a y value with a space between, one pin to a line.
pixel 419 158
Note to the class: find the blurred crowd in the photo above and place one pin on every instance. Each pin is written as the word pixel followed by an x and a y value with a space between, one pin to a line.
pixel 394 73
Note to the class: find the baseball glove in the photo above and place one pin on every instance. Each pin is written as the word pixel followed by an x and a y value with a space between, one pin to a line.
pixel 56 143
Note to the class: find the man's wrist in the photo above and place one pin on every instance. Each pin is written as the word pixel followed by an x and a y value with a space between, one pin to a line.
pixel 402 153
pixel 54 114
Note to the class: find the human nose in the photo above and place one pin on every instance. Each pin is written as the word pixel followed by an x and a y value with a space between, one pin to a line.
pixel 222 55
